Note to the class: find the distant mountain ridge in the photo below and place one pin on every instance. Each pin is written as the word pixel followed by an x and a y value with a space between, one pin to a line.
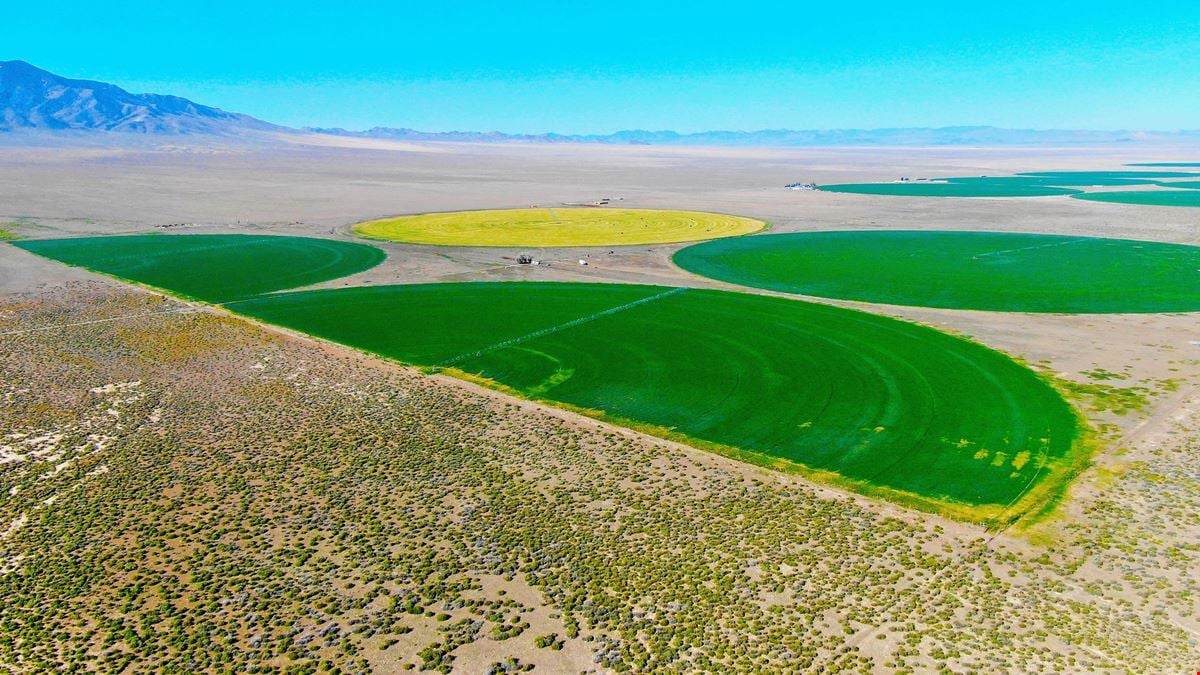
pixel 32 98
pixel 963 135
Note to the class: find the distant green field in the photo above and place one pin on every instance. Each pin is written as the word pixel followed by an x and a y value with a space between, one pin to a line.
pixel 1031 184
pixel 962 270
pixel 958 187
pixel 1167 164
pixel 878 405
pixel 213 267
pixel 1105 177
pixel 1186 197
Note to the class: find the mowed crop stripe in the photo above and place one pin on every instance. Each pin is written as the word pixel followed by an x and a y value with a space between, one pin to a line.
pixel 562 326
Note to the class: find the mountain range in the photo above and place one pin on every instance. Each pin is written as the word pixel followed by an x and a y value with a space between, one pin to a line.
pixel 38 100
pixel 960 135
pixel 32 98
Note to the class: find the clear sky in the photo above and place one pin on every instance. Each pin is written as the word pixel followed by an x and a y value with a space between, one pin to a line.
pixel 580 66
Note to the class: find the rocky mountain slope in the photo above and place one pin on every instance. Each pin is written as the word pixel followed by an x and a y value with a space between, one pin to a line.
pixel 32 98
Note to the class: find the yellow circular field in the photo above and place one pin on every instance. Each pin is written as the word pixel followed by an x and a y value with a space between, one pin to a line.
pixel 572 226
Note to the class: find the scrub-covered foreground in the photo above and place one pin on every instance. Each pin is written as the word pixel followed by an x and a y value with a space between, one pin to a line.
pixel 186 492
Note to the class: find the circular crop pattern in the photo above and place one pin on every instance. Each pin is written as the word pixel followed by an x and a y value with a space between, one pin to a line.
pixel 557 227
pixel 213 267
pixel 890 407
pixel 962 270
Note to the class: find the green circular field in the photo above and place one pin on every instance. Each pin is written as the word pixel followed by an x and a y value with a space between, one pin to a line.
pixel 955 187
pixel 213 267
pixel 1106 177
pixel 1185 197
pixel 962 270
pixel 1031 184
pixel 879 405
pixel 572 226
pixel 1168 164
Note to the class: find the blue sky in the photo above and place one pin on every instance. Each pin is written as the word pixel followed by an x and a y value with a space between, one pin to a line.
pixel 582 66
